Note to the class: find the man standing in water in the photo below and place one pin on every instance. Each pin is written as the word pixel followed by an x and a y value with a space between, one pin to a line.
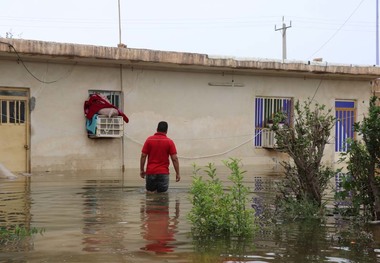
pixel 158 148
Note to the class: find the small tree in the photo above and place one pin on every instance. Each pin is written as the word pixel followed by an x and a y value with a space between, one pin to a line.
pixel 305 177
pixel 361 184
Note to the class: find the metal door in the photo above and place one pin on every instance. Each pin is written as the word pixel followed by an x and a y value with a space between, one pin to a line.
pixel 14 129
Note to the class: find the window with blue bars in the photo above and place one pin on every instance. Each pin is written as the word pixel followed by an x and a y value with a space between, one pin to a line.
pixel 265 109
pixel 345 115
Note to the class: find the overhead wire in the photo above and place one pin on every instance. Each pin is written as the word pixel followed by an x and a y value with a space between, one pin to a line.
pixel 335 33
pixel 204 156
pixel 138 23
pixel 29 71
pixel 338 30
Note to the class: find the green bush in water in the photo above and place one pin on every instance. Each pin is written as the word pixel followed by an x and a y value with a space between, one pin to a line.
pixel 290 209
pixel 15 232
pixel 217 212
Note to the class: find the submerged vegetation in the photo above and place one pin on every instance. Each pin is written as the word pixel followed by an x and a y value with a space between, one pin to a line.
pixel 221 214
pixel 306 178
pixel 217 212
pixel 17 232
pixel 361 185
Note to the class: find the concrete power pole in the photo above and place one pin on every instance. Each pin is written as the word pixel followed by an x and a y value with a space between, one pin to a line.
pixel 377 32
pixel 118 8
pixel 120 45
pixel 283 29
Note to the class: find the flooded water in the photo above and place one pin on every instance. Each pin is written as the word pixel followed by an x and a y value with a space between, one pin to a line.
pixel 108 217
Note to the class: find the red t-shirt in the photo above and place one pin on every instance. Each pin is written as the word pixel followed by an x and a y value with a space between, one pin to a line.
pixel 158 148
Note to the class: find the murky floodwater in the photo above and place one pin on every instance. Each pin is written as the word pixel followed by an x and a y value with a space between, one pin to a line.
pixel 108 217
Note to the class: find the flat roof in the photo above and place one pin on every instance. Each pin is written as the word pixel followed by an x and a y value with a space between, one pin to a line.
pixel 33 50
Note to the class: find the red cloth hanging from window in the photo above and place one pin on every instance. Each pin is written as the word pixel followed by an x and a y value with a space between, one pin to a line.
pixel 96 103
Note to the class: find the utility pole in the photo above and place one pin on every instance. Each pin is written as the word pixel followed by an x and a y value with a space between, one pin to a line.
pixel 120 45
pixel 377 32
pixel 119 22
pixel 283 29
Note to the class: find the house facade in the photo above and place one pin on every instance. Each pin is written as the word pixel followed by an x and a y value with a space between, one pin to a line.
pixel 217 108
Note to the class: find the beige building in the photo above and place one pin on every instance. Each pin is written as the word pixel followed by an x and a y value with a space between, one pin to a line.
pixel 216 108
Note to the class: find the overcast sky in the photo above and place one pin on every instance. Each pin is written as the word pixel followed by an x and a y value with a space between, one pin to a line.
pixel 339 31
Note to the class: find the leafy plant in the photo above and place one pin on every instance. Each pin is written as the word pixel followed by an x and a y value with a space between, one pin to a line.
pixel 361 185
pixel 217 212
pixel 242 219
pixel 18 231
pixel 306 178
pixel 291 209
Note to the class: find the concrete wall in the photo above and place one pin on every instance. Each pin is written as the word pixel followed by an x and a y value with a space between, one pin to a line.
pixel 207 123
pixel 215 123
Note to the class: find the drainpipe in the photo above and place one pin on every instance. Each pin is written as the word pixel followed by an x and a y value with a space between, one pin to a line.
pixel 122 138
pixel 121 90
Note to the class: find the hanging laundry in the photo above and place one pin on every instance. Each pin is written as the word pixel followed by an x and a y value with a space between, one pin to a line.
pixel 91 124
pixel 96 102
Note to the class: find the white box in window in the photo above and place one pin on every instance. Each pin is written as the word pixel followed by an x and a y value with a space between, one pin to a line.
pixel 109 127
pixel 268 138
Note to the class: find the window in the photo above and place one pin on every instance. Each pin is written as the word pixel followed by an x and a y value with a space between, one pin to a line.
pixel 13 93
pixel 113 96
pixel 106 126
pixel 12 111
pixel 265 109
pixel 344 124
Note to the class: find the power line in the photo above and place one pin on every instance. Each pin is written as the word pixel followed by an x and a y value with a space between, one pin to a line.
pixel 338 30
pixel 152 23
pixel 27 69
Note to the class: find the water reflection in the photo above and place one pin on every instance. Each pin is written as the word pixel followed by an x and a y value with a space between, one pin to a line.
pixel 15 212
pixel 158 226
pixel 94 217
pixel 104 215
pixel 302 242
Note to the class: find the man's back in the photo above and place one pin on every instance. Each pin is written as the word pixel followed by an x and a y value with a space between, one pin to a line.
pixel 158 148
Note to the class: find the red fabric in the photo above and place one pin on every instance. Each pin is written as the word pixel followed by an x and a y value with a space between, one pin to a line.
pixel 96 103
pixel 158 148
pixel 159 231
pixel 159 247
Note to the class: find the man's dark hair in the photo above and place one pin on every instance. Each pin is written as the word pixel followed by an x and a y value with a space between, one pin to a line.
pixel 162 126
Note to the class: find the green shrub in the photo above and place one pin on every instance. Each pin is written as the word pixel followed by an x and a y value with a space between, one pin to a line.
pixel 217 212
pixel 290 209
pixel 304 142
pixel 362 185
pixel 17 231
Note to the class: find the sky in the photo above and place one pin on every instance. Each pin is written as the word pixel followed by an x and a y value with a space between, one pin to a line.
pixel 338 31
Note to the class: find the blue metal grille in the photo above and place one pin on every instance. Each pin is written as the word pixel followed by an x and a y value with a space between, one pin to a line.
pixel 344 124
pixel 265 109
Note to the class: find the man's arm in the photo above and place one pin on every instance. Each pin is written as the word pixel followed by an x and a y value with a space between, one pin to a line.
pixel 175 162
pixel 142 165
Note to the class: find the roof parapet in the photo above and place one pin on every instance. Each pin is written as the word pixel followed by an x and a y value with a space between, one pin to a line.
pixel 123 55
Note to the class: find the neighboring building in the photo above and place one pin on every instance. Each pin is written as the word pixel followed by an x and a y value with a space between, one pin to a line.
pixel 216 107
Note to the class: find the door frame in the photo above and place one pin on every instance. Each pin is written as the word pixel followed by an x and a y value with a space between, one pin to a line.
pixel 22 94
